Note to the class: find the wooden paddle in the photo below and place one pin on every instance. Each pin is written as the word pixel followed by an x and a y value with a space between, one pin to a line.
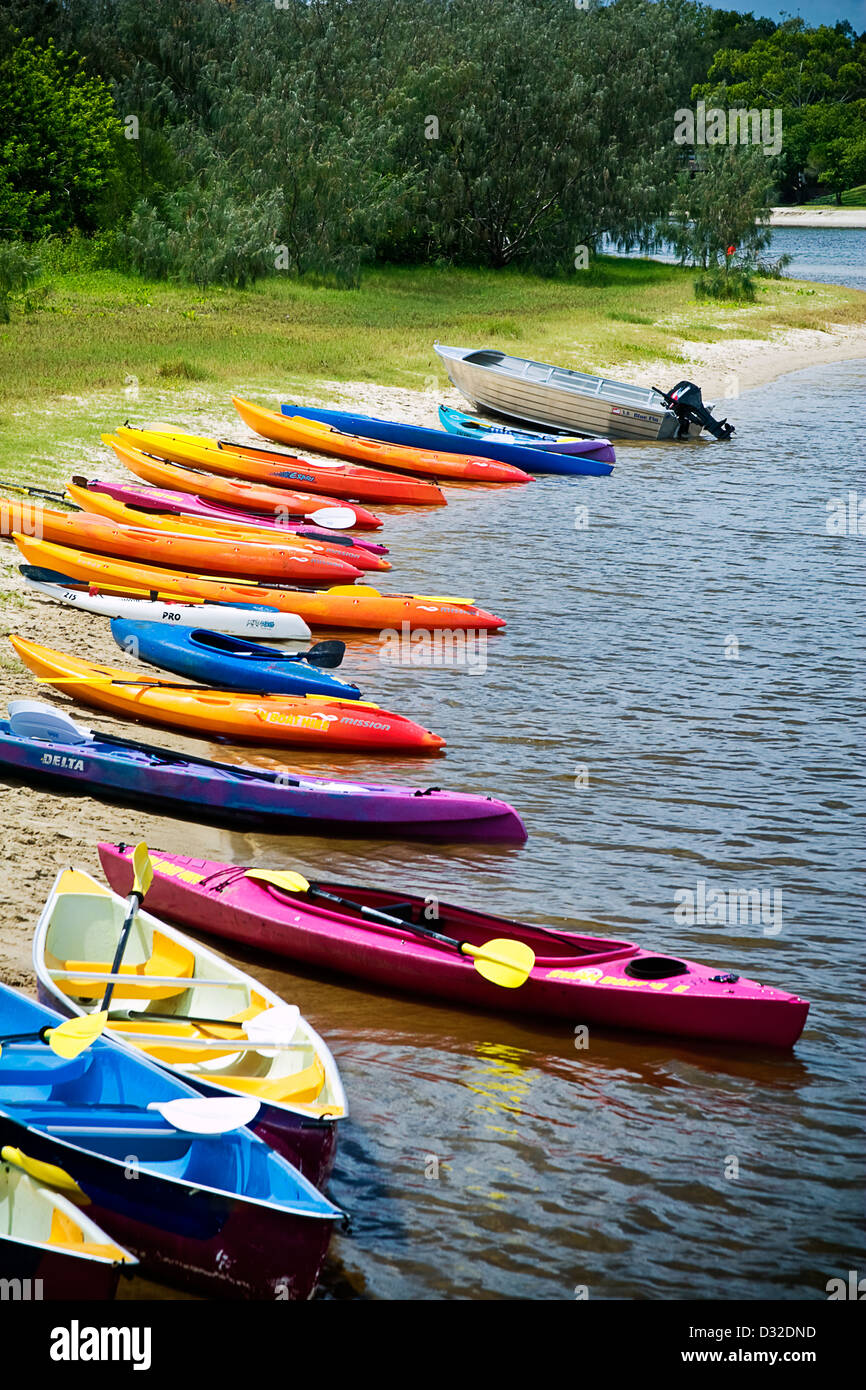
pixel 142 879
pixel 502 961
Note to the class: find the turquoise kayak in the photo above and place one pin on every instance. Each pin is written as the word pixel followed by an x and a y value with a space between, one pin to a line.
pixel 232 663
pixel 471 427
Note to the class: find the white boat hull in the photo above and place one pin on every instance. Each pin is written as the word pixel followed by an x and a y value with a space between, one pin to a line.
pixel 217 617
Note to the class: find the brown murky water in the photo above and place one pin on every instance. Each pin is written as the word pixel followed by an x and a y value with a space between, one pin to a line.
pixel 674 701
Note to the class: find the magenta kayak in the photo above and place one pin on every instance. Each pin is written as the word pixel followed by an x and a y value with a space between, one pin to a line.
pixel 584 979
pixel 185 504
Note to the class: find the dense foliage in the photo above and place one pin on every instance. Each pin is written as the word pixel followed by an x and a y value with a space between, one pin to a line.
pixel 817 78
pixel 222 140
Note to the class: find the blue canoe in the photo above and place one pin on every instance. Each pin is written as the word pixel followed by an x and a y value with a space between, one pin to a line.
pixel 40 745
pixel 596 458
pixel 473 427
pixel 220 1214
pixel 230 663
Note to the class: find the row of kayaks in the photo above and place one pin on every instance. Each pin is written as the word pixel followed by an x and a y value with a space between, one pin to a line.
pixel 221 1095
pixel 193 576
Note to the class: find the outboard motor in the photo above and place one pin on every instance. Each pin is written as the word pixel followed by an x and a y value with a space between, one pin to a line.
pixel 686 402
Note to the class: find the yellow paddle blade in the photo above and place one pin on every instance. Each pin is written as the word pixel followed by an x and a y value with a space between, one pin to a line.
pixel 444 598
pixel 355 589
pixel 72 1037
pixel 503 962
pixel 281 878
pixel 47 1173
pixel 143 869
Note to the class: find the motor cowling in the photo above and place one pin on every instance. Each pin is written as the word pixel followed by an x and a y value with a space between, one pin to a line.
pixel 687 403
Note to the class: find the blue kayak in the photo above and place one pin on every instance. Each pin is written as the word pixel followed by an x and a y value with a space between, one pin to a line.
pixel 217 1213
pixel 473 427
pixel 231 663
pixel 596 457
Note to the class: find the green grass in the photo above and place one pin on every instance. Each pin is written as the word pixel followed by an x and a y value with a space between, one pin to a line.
pixel 104 346
pixel 852 198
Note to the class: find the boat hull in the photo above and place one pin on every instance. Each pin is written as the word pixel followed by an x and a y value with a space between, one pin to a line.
pixel 249 497
pixel 241 620
pixel 185 652
pixel 247 559
pixel 593 457
pixel 55 1276
pixel 307 721
pixel 100 504
pixel 571 979
pixel 284 805
pixel 345 480
pixel 198 1240
pixel 625 412
pixel 448 465
pixel 142 496
pixel 341 607
pixel 221 1215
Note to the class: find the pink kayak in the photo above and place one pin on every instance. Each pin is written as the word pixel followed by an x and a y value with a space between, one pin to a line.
pixel 185 504
pixel 585 979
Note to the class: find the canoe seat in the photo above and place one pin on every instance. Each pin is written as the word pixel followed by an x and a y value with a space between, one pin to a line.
pixel 185 1056
pixel 168 957
pixel 298 1089
pixel 67 1235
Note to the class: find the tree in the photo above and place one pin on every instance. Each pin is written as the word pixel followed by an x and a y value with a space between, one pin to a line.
pixel 59 141
pixel 724 205
pixel 817 77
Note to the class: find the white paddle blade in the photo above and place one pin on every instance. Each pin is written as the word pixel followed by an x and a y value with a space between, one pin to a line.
pixel 33 719
pixel 275 1025
pixel 338 518
pixel 206 1115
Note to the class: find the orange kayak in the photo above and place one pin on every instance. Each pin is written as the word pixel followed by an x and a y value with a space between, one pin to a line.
pixel 251 497
pixel 310 434
pixel 214 555
pixel 346 605
pixel 277 469
pixel 102 504
pixel 311 721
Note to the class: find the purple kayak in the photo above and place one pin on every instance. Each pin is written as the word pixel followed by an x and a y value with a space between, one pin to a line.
pixel 184 504
pixel 40 743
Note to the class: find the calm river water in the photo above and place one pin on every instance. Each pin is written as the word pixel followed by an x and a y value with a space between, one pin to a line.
pixel 674 701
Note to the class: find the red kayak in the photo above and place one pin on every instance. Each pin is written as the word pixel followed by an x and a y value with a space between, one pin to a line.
pixel 584 979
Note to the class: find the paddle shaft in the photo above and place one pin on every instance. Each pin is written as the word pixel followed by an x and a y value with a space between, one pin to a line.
pixel 387 918
pixel 155 685
pixel 133 904
pixel 168 755
pixel 212 1044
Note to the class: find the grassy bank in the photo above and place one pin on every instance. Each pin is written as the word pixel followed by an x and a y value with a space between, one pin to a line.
pixel 102 346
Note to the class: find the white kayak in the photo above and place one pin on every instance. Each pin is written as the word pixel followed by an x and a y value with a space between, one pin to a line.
pixel 235 619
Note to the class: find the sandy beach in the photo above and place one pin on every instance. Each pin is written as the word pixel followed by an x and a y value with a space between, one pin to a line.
pixel 818 217
pixel 45 831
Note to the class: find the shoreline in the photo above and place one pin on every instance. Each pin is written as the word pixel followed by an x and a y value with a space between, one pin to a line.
pixel 744 364
pixel 829 216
